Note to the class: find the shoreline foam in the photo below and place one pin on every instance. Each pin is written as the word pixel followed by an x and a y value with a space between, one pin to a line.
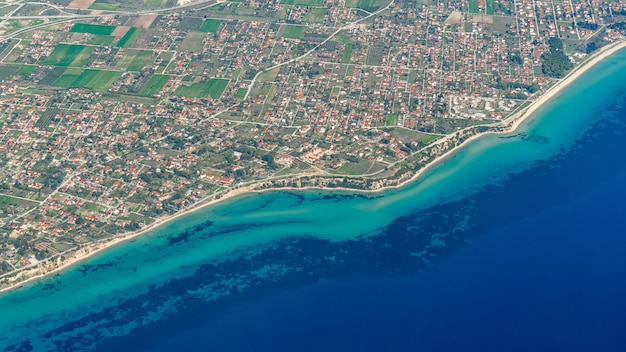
pixel 76 255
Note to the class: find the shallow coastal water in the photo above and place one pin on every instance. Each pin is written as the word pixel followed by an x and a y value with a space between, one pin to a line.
pixel 514 242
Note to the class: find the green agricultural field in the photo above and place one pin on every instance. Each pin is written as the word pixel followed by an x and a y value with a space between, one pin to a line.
pixel 241 92
pixel 69 55
pixel 391 119
pixel 295 32
pixel 75 77
pixel 214 88
pixel 154 3
pixel 103 80
pixel 154 85
pixel 135 60
pixel 315 15
pixel 360 4
pixel 210 25
pixel 101 39
pixel 128 38
pixel 473 6
pixel 92 28
pixel 269 75
pixel 347 54
pixel 193 41
pixel 27 68
pixel 489 7
pixel 104 6
pixel 303 2
pixel 52 76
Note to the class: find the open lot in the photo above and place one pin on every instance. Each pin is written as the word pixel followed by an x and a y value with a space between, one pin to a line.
pixel 295 32
pixel 75 77
pixel 103 80
pixel 154 85
pixel 92 28
pixel 213 88
pixel 303 2
pixel 69 55
pixel 128 38
pixel 210 25
pixel 135 60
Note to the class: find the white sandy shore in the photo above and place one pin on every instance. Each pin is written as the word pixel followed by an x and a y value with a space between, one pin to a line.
pixel 74 256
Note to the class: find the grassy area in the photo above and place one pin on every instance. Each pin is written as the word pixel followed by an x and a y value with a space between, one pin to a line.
pixel 295 32
pixel 303 2
pixel 135 60
pixel 361 4
pixel 154 3
pixel 315 15
pixel 193 41
pixel 104 6
pixel 154 85
pixel 92 28
pixel 214 88
pixel 473 6
pixel 269 76
pixel 6 200
pixel 27 68
pixel 75 77
pixel 347 54
pixel 210 25
pixel 241 92
pixel 489 7
pixel 103 80
pixel 391 119
pixel 101 39
pixel 52 76
pixel 69 55
pixel 359 168
pixel 427 139
pixel 129 37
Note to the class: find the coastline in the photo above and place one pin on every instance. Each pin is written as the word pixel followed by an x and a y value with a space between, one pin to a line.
pixel 73 256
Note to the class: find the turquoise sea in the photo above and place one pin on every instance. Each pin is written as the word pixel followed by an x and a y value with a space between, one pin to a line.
pixel 514 243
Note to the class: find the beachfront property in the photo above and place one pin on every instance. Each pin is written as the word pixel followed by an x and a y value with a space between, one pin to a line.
pixel 111 122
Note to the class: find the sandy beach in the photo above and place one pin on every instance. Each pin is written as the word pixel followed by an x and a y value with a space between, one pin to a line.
pixel 75 255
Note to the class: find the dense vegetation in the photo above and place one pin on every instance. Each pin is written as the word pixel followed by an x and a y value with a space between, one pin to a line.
pixel 555 63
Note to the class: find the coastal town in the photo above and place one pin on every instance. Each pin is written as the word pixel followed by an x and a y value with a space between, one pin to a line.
pixel 117 115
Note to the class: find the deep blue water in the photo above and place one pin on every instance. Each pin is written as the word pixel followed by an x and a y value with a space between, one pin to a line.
pixel 517 243
pixel 554 280
pixel 545 271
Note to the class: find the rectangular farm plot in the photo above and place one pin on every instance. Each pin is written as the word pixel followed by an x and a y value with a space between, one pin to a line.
pixel 193 42
pixel 92 28
pixel 128 38
pixel 295 32
pixel 154 85
pixel 103 80
pixel 214 88
pixel 104 6
pixel 135 60
pixel 75 77
pixel 303 2
pixel 210 25
pixel 69 55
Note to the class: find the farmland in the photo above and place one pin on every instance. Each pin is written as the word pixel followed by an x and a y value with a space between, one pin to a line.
pixel 103 80
pixel 69 55
pixel 154 85
pixel 92 28
pixel 128 38
pixel 75 77
pixel 210 25
pixel 213 88
pixel 135 60
pixel 295 32
pixel 303 2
